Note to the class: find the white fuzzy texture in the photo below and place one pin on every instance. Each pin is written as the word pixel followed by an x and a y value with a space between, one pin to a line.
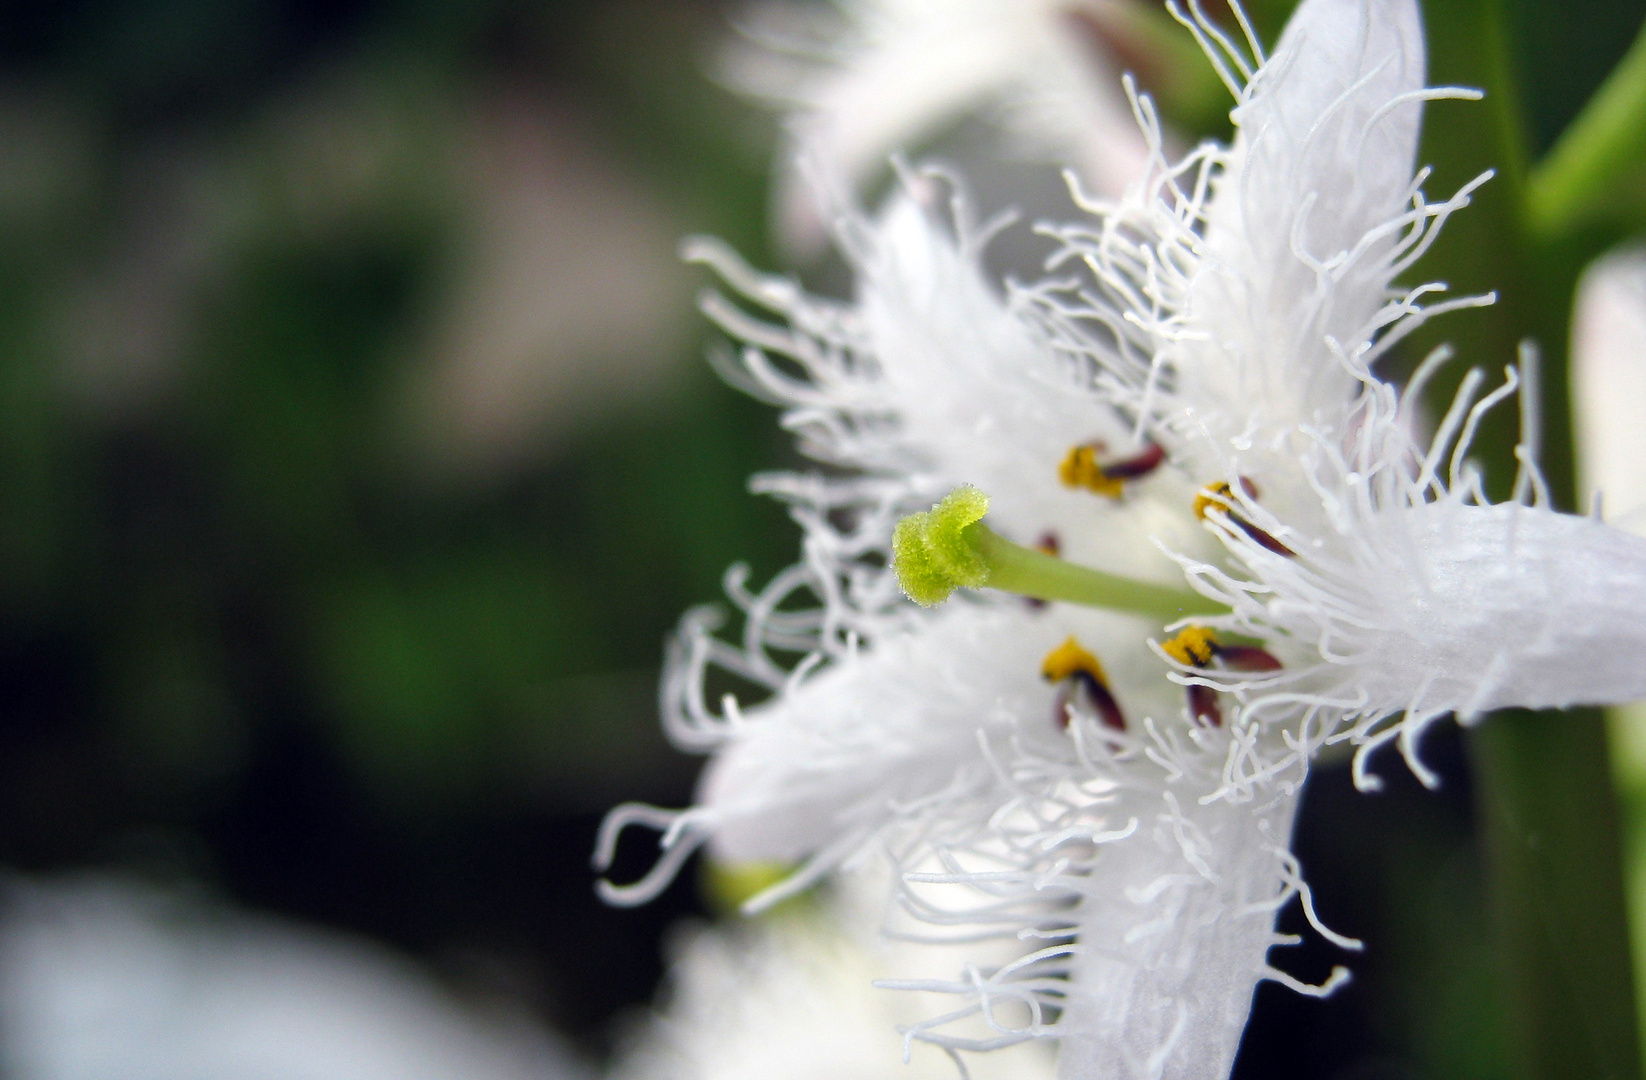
pixel 1299 231
pixel 1162 983
pixel 857 746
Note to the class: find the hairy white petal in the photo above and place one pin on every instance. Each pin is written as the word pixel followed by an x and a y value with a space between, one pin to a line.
pixel 1447 607
pixel 1304 219
pixel 1609 385
pixel 1175 926
pixel 1151 885
pixel 1498 606
pixel 933 379
pixel 871 740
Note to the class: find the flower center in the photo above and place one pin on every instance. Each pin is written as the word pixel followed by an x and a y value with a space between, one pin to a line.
pixel 948 547
pixel 1219 498
pixel 1197 647
pixel 1080 468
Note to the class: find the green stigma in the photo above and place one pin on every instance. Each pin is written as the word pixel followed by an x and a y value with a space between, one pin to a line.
pixel 932 552
pixel 948 547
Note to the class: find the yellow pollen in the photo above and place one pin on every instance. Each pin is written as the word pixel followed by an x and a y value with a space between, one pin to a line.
pixel 1194 646
pixel 1069 660
pixel 1219 495
pixel 1079 469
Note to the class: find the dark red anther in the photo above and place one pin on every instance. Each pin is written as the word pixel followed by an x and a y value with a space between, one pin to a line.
pixel 1203 706
pixel 1253 531
pixel 1262 537
pixel 1193 652
pixel 1247 658
pixel 1081 691
pixel 1142 463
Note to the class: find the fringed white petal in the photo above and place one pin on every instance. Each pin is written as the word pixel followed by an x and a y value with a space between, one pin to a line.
pixel 1306 218
pixel 1175 927
pixel 930 380
pixel 1151 886
pixel 1245 291
pixel 1609 385
pixel 1466 609
pixel 1442 608
pixel 904 730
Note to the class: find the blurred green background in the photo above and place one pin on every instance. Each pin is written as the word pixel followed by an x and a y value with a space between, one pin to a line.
pixel 356 457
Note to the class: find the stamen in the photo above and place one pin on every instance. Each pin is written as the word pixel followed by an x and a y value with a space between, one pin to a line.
pixel 949 547
pixel 1247 658
pixel 1197 647
pixel 1194 646
pixel 1220 496
pixel 1080 468
pixel 1203 706
pixel 1077 669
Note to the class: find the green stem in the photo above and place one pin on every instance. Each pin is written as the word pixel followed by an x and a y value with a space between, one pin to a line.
pixel 1557 880
pixel 1543 788
pixel 1599 159
pixel 937 551
pixel 1026 572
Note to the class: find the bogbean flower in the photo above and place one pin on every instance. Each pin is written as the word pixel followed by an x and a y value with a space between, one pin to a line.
pixel 1194 537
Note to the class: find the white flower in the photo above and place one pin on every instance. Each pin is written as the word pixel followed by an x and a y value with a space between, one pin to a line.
pixel 1191 403
pixel 874 76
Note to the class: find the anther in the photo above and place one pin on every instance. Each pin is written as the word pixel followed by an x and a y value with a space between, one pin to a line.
pixel 1203 706
pixel 1081 469
pixel 1220 496
pixel 1081 682
pixel 1197 647
pixel 1194 646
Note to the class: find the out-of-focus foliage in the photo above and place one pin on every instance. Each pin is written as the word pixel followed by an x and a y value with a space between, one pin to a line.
pixel 355 451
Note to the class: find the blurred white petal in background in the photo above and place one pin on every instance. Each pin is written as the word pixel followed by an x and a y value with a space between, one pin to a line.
pixel 863 79
pixel 1608 384
pixel 790 995
pixel 570 301
pixel 105 980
